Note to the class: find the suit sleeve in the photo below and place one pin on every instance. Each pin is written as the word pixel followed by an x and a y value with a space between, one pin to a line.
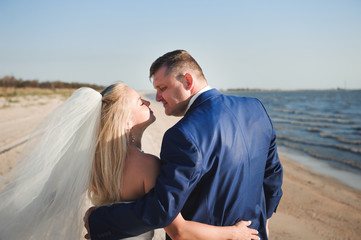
pixel 273 178
pixel 179 174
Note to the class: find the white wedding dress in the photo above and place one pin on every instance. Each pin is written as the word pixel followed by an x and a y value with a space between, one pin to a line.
pixel 45 195
pixel 145 236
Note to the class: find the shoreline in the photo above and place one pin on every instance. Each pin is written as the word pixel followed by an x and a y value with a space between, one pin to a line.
pixel 348 177
pixel 314 205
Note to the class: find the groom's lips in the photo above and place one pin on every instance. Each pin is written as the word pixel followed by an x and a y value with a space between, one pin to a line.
pixel 164 104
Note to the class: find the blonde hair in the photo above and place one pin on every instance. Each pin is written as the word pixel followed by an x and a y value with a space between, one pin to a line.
pixel 112 143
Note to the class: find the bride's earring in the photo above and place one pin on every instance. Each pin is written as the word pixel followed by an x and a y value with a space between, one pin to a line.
pixel 132 138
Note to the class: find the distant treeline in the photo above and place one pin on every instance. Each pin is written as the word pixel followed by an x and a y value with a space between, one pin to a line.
pixel 242 90
pixel 11 81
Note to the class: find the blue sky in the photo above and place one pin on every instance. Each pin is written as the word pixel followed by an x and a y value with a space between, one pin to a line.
pixel 239 44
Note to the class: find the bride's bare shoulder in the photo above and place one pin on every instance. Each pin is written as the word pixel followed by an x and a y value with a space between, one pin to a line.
pixel 139 175
pixel 146 161
pixel 144 164
pixel 150 165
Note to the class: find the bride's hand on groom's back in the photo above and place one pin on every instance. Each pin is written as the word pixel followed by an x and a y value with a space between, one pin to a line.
pixel 243 232
pixel 86 223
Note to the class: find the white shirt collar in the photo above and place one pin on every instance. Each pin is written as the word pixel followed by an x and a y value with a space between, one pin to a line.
pixel 206 88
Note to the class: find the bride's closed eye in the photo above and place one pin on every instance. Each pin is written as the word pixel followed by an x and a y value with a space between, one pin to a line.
pixel 141 101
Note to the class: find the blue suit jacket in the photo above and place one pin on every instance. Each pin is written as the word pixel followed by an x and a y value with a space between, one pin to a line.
pixel 219 166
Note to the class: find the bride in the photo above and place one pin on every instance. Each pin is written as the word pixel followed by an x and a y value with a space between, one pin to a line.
pixel 88 152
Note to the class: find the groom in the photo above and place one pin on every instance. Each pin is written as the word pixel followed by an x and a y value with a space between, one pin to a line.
pixel 219 162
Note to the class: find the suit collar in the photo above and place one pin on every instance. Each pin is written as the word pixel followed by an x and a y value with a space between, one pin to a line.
pixel 203 97
pixel 195 96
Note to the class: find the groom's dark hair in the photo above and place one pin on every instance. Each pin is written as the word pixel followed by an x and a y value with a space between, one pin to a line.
pixel 174 60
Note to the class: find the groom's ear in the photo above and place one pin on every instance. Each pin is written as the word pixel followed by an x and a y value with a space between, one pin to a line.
pixel 189 83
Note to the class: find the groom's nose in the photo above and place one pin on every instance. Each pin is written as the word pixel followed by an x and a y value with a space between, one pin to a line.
pixel 158 96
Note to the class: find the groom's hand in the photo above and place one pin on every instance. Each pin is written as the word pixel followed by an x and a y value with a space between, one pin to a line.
pixel 243 231
pixel 86 223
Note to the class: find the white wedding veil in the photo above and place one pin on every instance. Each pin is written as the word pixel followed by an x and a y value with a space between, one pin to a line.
pixel 45 195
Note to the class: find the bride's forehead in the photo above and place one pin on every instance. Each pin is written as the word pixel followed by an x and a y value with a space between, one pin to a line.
pixel 132 93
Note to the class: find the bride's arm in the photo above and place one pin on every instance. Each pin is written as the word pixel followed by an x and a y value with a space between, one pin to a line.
pixel 181 229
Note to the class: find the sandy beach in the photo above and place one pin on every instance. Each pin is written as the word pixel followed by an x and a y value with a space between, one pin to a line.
pixel 314 206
